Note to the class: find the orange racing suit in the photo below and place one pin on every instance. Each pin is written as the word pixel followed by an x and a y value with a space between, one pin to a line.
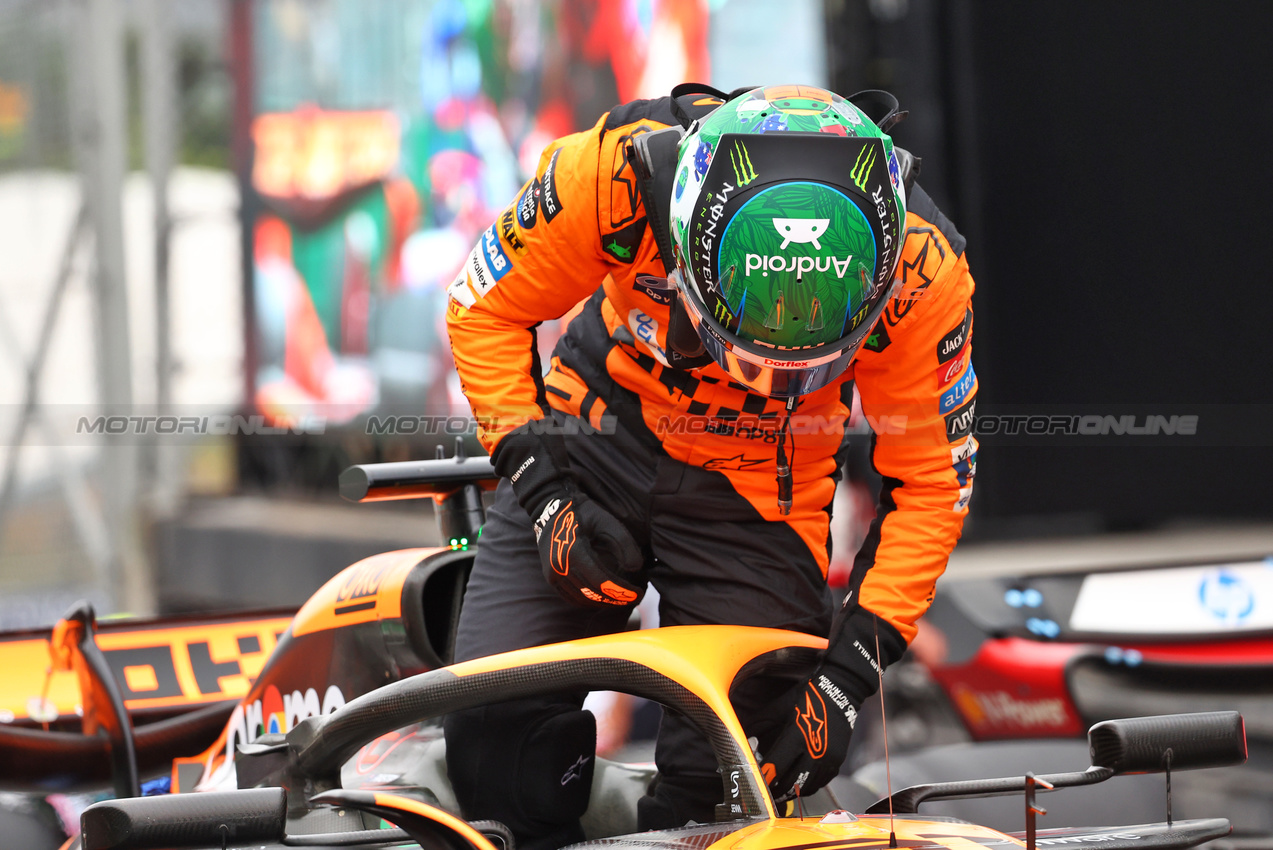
pixel 578 231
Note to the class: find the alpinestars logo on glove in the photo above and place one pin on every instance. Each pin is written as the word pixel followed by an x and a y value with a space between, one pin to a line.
pixel 546 514
pixel 563 540
pixel 617 593
pixel 812 722
pixel 575 771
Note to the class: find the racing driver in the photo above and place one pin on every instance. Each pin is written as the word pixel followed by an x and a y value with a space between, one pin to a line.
pixel 746 259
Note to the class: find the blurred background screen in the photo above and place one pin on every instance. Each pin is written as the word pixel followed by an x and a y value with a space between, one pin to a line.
pixel 387 135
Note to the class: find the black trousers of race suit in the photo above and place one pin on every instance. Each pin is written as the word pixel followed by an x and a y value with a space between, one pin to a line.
pixel 713 560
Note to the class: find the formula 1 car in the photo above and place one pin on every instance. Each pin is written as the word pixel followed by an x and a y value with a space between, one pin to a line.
pixel 334 737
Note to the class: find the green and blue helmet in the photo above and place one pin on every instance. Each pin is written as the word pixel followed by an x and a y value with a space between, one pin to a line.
pixel 787 217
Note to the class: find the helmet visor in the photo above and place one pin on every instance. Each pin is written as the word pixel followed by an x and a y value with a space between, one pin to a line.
pixel 773 372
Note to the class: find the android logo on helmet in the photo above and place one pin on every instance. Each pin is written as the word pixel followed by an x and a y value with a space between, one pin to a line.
pixel 800 230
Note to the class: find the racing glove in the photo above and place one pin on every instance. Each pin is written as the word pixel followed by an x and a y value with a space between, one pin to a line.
pixel 811 746
pixel 587 555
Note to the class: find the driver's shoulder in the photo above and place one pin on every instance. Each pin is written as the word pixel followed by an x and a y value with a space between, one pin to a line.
pixel 924 221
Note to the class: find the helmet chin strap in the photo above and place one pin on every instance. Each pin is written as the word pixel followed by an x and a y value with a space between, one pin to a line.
pixel 785 482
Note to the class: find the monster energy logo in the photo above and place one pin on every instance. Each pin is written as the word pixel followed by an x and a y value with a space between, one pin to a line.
pixel 859 316
pixel 862 168
pixel 744 173
pixel 722 313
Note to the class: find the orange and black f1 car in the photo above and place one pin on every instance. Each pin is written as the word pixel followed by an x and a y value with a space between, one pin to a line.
pixel 334 740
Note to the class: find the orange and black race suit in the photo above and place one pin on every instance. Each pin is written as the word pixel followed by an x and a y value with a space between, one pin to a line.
pixel 578 230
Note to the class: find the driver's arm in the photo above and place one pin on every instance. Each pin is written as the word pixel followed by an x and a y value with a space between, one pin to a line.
pixel 918 388
pixel 540 258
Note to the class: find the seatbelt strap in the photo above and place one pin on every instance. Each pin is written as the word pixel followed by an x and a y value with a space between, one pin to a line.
pixel 652 157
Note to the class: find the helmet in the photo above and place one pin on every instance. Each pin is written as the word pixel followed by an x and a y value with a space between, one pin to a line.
pixel 787 216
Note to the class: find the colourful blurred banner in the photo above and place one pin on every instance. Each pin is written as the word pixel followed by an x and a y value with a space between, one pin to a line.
pixel 387 134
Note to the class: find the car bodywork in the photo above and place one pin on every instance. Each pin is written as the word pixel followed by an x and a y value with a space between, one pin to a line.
pixel 336 732
pixel 313 769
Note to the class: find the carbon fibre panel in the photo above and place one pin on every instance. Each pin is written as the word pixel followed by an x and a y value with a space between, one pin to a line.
pixel 322 744
pixel 685 838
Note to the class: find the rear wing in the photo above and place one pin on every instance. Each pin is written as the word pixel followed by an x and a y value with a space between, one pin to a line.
pixel 163 665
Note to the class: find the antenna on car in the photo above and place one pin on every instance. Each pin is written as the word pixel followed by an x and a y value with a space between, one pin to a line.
pixel 888 770
pixel 1032 809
